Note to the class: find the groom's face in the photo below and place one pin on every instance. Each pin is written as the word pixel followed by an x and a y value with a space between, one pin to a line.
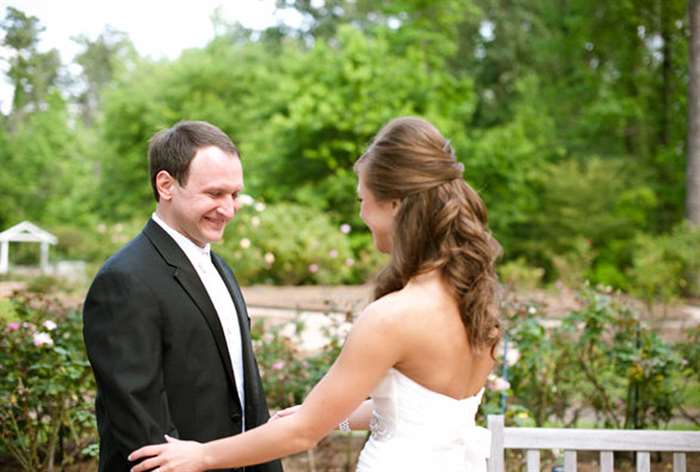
pixel 209 199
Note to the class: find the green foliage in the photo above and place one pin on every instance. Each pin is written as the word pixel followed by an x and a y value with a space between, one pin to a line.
pixel 96 240
pixel 102 60
pixel 664 267
pixel 600 359
pixel 288 373
pixel 588 214
pixel 689 376
pixel 540 380
pixel 570 119
pixel 46 385
pixel 517 273
pixel 38 166
pixel 289 244
pixel 33 74
pixel 336 97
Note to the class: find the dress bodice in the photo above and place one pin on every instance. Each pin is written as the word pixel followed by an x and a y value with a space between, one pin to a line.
pixel 415 428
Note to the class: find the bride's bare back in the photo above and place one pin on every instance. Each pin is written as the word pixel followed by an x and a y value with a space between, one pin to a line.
pixel 437 352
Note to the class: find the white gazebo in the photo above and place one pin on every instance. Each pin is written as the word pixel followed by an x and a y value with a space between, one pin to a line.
pixel 25 232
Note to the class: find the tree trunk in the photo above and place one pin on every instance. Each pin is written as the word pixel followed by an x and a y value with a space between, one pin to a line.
pixel 666 73
pixel 693 171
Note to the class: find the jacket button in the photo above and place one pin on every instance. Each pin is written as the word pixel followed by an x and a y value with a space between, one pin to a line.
pixel 236 417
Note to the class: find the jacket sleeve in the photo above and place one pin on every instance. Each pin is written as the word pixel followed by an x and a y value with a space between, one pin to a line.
pixel 122 328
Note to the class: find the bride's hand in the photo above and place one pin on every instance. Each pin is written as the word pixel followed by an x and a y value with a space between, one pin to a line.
pixel 285 412
pixel 175 455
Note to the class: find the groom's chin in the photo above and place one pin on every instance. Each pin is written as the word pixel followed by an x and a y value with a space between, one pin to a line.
pixel 213 234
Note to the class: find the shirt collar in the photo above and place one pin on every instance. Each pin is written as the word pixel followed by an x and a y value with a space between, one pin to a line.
pixel 193 252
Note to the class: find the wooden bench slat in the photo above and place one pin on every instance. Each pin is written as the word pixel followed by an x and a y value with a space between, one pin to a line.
pixel 601 439
pixel 679 462
pixel 643 462
pixel 496 463
pixel 604 440
pixel 533 460
pixel 607 461
pixel 569 461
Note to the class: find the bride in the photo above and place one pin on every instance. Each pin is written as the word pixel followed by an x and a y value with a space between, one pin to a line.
pixel 421 351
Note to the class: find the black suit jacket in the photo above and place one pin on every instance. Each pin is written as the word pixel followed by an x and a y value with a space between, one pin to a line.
pixel 159 355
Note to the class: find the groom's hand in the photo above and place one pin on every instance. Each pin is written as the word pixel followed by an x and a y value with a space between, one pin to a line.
pixel 174 455
pixel 285 412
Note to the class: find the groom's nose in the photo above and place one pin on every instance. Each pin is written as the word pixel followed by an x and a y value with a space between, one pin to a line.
pixel 228 207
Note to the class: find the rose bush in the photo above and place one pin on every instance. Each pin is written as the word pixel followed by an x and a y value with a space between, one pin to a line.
pixel 290 244
pixel 46 386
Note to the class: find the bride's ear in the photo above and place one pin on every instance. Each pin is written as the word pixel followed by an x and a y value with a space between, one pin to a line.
pixel 395 205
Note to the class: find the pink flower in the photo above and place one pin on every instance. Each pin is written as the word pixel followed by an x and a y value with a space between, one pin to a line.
pixel 349 262
pixel 497 383
pixel 345 228
pixel 42 339
pixel 279 365
pixel 26 325
pixel 313 268
pixel 50 325
pixel 13 326
pixel 512 356
pixel 333 253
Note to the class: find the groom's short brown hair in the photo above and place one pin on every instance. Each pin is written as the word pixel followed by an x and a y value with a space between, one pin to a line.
pixel 173 149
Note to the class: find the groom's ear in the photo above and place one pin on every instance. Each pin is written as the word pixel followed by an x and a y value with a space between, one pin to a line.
pixel 164 185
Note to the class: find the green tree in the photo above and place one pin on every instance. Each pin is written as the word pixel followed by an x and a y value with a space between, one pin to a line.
pixel 101 60
pixel 40 170
pixel 33 74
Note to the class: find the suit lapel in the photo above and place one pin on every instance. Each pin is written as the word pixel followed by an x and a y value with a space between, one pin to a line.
pixel 189 280
pixel 250 373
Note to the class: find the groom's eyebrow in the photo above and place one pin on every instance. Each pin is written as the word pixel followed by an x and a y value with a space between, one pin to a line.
pixel 222 189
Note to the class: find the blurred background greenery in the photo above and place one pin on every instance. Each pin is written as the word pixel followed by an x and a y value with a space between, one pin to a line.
pixel 570 118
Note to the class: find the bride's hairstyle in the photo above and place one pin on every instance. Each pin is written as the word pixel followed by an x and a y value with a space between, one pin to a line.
pixel 441 222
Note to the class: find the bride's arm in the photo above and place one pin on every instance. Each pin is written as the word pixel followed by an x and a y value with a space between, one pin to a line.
pixel 359 419
pixel 373 346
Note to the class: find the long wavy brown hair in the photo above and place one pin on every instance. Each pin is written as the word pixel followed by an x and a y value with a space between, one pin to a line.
pixel 441 223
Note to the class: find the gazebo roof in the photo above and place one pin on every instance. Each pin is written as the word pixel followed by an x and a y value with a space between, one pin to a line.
pixel 27 232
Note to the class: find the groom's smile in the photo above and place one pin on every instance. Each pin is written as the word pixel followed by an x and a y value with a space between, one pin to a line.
pixel 207 200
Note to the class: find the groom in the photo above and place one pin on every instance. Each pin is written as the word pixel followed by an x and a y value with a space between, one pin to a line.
pixel 165 324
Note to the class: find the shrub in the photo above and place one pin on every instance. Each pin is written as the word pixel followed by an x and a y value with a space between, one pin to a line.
pixel 601 358
pixel 541 381
pixel 96 242
pixel 287 244
pixel 46 385
pixel 666 266
pixel 688 379
pixel 517 273
pixel 288 373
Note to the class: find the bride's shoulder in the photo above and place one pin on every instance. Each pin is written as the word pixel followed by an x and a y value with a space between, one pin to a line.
pixel 396 306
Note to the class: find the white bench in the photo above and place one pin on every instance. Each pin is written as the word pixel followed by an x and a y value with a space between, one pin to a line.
pixel 606 441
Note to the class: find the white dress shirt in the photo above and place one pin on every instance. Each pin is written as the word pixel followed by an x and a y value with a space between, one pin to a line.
pixel 220 297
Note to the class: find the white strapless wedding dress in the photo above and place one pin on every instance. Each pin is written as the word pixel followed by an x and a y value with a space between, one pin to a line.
pixel 417 429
